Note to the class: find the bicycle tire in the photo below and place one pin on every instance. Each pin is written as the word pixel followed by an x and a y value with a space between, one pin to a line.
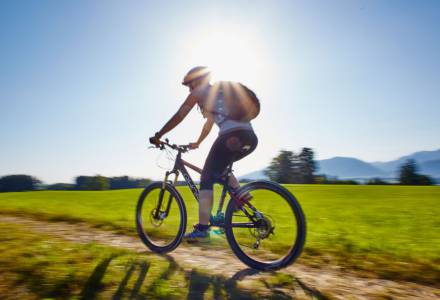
pixel 295 250
pixel 183 218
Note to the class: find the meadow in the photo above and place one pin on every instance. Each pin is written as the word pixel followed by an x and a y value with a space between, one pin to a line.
pixel 40 266
pixel 391 231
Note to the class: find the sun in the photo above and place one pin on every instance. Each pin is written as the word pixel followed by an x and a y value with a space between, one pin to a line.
pixel 230 54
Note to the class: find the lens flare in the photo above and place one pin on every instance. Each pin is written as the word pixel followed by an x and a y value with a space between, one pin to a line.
pixel 230 55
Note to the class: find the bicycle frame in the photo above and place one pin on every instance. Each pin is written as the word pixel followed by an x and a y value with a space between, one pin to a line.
pixel 179 167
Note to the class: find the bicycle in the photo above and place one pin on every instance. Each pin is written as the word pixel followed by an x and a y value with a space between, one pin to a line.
pixel 259 240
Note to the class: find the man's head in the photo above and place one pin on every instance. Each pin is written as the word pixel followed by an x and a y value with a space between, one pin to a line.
pixel 197 76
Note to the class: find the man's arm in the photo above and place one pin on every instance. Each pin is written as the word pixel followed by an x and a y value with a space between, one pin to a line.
pixel 175 120
pixel 205 131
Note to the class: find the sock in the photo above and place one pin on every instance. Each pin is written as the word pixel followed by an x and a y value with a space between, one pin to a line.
pixel 202 227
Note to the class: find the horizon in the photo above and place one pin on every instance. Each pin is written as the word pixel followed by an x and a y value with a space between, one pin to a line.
pixel 84 85
pixel 72 181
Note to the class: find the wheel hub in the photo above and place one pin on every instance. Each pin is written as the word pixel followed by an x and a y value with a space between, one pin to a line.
pixel 264 228
pixel 156 221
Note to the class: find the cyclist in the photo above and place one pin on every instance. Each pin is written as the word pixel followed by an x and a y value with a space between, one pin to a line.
pixel 235 141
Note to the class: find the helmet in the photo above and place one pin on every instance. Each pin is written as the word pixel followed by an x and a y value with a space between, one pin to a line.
pixel 195 73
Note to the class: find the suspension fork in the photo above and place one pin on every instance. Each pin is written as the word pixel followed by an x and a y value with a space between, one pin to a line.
pixel 170 197
pixel 162 192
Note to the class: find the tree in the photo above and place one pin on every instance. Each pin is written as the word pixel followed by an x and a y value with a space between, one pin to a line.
pixel 92 183
pixel 99 183
pixel 425 180
pixel 288 167
pixel 18 183
pixel 142 182
pixel 61 187
pixel 121 182
pixel 408 175
pixel 284 168
pixel 376 181
pixel 307 165
pixel 82 182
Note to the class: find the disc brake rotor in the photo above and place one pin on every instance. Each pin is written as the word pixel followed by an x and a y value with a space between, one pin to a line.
pixel 156 221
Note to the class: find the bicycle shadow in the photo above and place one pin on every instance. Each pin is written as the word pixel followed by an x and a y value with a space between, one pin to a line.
pixel 94 285
pixel 197 283
pixel 220 287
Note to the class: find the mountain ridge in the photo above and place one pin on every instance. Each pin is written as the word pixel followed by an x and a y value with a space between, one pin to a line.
pixel 354 168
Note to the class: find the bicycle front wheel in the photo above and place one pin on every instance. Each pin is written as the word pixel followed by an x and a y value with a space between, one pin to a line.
pixel 160 217
pixel 269 232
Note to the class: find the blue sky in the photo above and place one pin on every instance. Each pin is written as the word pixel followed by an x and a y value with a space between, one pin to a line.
pixel 83 84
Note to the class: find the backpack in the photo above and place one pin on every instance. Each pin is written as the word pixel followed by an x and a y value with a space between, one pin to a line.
pixel 241 102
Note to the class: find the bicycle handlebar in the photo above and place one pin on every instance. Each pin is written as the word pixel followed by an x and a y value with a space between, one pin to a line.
pixel 180 148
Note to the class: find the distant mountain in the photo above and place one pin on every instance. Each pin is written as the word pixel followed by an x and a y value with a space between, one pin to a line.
pixel 421 157
pixel 353 168
pixel 347 167
pixel 431 168
pixel 254 175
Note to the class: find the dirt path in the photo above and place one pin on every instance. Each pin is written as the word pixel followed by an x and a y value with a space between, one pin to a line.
pixel 312 283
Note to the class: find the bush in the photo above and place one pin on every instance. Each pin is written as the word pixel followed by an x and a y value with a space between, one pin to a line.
pixel 323 179
pixel 61 187
pixel 377 181
pixel 425 180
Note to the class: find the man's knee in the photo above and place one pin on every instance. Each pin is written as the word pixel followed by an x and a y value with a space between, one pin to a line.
pixel 205 194
pixel 206 183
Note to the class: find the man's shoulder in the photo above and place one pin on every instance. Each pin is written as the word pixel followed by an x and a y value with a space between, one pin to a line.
pixel 201 93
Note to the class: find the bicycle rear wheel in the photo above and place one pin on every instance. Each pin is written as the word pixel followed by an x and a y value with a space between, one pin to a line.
pixel 160 217
pixel 269 232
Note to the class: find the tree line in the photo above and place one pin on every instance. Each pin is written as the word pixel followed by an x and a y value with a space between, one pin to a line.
pixel 18 183
pixel 286 167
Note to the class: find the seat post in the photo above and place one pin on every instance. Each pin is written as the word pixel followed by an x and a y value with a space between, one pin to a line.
pixel 228 173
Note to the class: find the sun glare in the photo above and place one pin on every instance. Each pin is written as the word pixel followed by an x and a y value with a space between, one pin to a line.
pixel 230 54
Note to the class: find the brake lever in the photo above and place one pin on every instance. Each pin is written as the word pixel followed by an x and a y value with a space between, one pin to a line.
pixel 185 148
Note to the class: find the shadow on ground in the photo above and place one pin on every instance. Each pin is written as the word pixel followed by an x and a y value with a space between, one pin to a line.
pixel 175 282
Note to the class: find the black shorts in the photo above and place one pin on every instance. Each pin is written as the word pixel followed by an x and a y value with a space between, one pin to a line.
pixel 227 148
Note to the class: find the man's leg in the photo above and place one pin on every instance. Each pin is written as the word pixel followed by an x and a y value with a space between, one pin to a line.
pixel 233 182
pixel 205 206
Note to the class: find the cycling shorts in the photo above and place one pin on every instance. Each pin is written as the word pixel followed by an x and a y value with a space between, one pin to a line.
pixel 228 147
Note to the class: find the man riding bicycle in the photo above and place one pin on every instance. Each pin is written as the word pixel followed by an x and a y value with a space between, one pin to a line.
pixel 236 139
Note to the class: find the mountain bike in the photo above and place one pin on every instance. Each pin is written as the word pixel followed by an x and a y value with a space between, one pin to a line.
pixel 265 231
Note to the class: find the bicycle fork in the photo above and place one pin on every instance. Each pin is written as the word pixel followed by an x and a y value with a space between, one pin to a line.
pixel 158 214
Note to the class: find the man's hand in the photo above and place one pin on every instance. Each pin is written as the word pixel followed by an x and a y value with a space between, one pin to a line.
pixel 155 140
pixel 193 146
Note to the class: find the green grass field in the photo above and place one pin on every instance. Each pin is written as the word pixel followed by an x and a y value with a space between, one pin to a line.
pixel 392 230
pixel 39 266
